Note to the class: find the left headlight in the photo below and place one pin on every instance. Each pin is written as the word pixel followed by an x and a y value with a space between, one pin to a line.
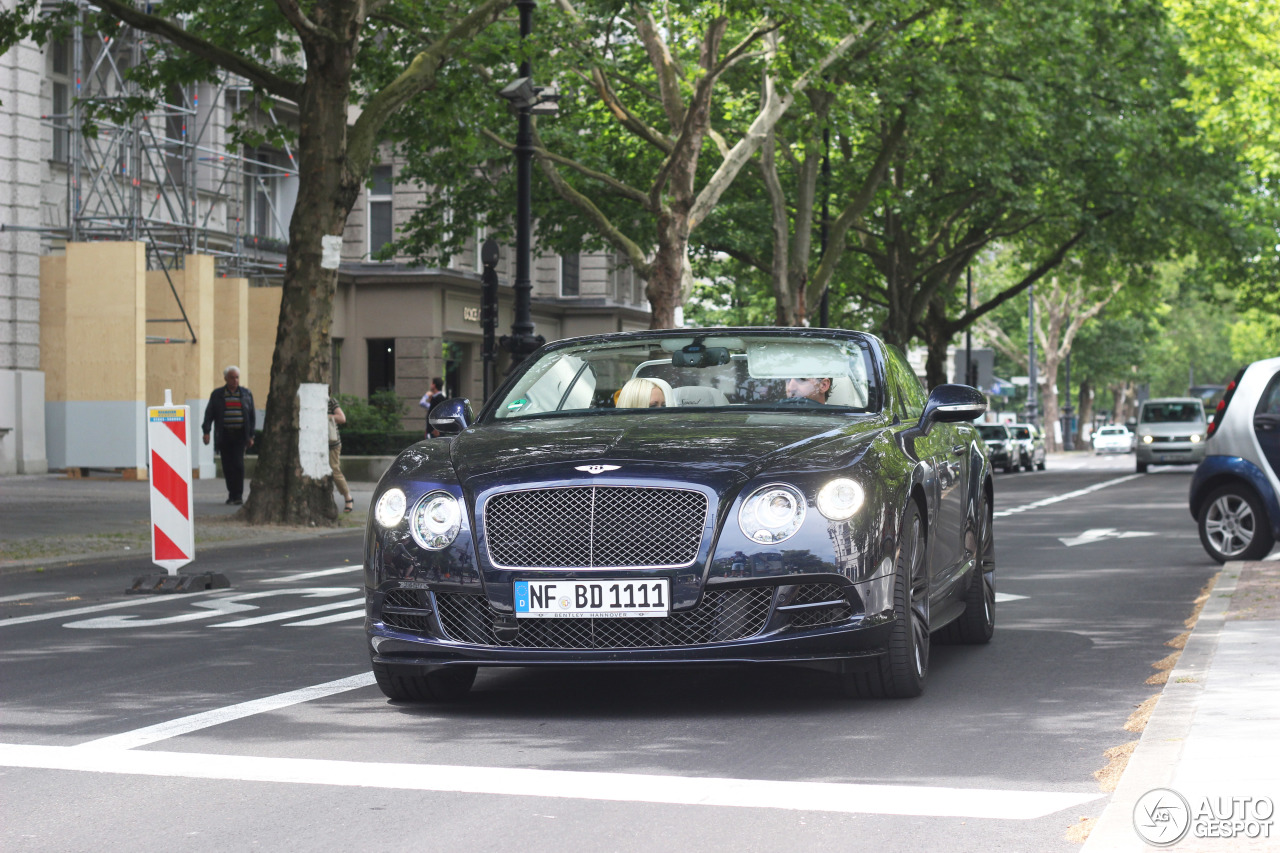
pixel 1148 438
pixel 840 499
pixel 436 520
pixel 772 513
pixel 390 508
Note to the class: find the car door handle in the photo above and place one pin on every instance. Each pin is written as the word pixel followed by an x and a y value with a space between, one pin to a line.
pixel 958 449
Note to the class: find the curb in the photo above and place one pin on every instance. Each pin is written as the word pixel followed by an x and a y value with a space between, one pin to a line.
pixel 1154 762
pixel 68 560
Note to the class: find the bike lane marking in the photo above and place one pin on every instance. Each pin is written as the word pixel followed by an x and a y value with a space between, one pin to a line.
pixel 848 798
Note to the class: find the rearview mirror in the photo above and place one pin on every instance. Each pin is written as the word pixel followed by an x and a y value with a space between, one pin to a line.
pixel 451 416
pixel 953 404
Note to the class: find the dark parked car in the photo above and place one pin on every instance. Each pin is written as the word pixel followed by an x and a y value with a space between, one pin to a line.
pixel 1235 493
pixel 1001 446
pixel 691 496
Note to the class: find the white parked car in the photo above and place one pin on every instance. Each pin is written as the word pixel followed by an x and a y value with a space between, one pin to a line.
pixel 1114 438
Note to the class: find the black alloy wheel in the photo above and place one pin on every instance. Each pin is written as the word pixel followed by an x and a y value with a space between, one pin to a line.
pixel 977 624
pixel 900 672
pixel 412 684
pixel 1233 525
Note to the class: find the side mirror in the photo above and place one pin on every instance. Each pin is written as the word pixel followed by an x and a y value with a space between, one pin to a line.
pixel 953 404
pixel 452 416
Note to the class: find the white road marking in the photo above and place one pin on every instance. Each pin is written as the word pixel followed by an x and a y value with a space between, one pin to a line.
pixel 926 801
pixel 209 608
pixel 96 608
pixel 5 599
pixel 289 614
pixel 325 620
pixel 304 576
pixel 1058 498
pixel 1098 534
pixel 1008 596
pixel 218 716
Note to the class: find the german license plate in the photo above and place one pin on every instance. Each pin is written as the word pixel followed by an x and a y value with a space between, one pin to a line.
pixel 592 599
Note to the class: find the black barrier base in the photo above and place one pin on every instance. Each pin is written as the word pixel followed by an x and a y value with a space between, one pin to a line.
pixel 163 583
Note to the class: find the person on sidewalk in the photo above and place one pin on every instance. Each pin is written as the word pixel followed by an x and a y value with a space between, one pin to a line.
pixel 431 399
pixel 337 418
pixel 230 412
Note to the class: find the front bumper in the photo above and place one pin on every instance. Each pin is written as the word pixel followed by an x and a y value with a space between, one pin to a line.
pixel 806 619
pixel 1170 452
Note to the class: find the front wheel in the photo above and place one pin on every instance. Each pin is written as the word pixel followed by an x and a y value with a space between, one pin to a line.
pixel 1233 526
pixel 900 672
pixel 408 684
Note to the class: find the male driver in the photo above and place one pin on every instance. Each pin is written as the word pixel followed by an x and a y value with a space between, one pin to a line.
pixel 230 410
pixel 816 390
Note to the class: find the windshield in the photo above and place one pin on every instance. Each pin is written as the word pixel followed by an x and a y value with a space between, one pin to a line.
pixel 1112 431
pixel 992 433
pixel 1021 432
pixel 697 370
pixel 1173 413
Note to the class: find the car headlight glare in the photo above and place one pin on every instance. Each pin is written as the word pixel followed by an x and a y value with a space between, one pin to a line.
pixel 840 499
pixel 772 513
pixel 390 508
pixel 436 520
pixel 1195 439
pixel 1147 439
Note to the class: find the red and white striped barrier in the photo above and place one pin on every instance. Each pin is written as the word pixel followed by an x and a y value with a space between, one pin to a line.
pixel 173 528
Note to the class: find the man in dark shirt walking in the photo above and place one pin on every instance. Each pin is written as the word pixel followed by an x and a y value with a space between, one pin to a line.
pixel 230 411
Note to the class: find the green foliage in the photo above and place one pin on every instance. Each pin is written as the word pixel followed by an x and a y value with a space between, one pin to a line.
pixel 382 412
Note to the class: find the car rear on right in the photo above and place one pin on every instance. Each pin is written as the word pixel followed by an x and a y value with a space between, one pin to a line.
pixel 1235 493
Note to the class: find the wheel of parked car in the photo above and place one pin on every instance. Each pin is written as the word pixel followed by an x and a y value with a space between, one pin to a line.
pixel 1233 525
pixel 1141 466
pixel 1011 465
pixel 1041 465
pixel 1028 464
pixel 900 673
pixel 978 622
pixel 403 684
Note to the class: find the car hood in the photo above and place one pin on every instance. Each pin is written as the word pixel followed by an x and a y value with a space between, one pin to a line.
pixel 709 442
pixel 1176 428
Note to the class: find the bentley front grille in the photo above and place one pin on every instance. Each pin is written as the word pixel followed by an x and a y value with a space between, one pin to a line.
pixel 817 604
pixel 720 617
pixel 406 610
pixel 594 527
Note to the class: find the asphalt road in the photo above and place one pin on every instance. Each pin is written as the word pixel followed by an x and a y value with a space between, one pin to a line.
pixel 123 723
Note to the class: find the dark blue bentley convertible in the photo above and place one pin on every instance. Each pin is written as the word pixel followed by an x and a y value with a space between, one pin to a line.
pixel 691 496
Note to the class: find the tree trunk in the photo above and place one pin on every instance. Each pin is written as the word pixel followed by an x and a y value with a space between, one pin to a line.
pixel 281 493
pixel 1084 412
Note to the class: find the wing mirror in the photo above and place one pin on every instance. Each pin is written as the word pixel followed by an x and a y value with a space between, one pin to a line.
pixel 451 416
pixel 953 404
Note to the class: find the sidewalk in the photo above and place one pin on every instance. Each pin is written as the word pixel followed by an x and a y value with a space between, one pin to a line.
pixel 49 518
pixel 1213 740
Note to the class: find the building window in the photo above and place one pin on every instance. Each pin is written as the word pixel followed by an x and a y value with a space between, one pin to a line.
pixel 60 114
pixel 569 275
pixel 381 228
pixel 271 191
pixel 382 365
pixel 335 367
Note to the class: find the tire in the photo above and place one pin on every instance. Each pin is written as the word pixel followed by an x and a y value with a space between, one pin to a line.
pixel 977 624
pixel 1029 465
pixel 1234 525
pixel 1043 463
pixel 410 684
pixel 1010 467
pixel 900 672
pixel 1141 467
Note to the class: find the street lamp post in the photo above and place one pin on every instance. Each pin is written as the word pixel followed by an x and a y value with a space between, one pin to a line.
pixel 524 99
pixel 1068 429
pixel 1031 354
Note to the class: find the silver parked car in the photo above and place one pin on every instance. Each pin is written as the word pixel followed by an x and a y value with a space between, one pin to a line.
pixel 1113 438
pixel 1235 493
pixel 1171 431
pixel 1030 442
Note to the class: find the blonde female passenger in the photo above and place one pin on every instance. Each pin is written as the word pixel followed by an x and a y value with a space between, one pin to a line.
pixel 643 394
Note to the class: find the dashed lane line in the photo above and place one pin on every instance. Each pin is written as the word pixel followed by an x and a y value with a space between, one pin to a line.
pixel 95 608
pixel 1063 497
pixel 320 573
pixel 325 620
pixel 922 800
pixel 5 599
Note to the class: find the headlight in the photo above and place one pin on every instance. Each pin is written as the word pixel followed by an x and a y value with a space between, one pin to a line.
pixel 1195 439
pixel 840 499
pixel 390 508
pixel 1147 439
pixel 436 521
pixel 772 513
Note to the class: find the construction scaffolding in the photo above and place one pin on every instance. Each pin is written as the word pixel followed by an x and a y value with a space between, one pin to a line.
pixel 174 177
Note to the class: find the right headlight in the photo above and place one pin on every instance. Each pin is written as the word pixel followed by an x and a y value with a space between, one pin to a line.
pixel 436 520
pixel 772 513
pixel 840 499
pixel 1148 438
